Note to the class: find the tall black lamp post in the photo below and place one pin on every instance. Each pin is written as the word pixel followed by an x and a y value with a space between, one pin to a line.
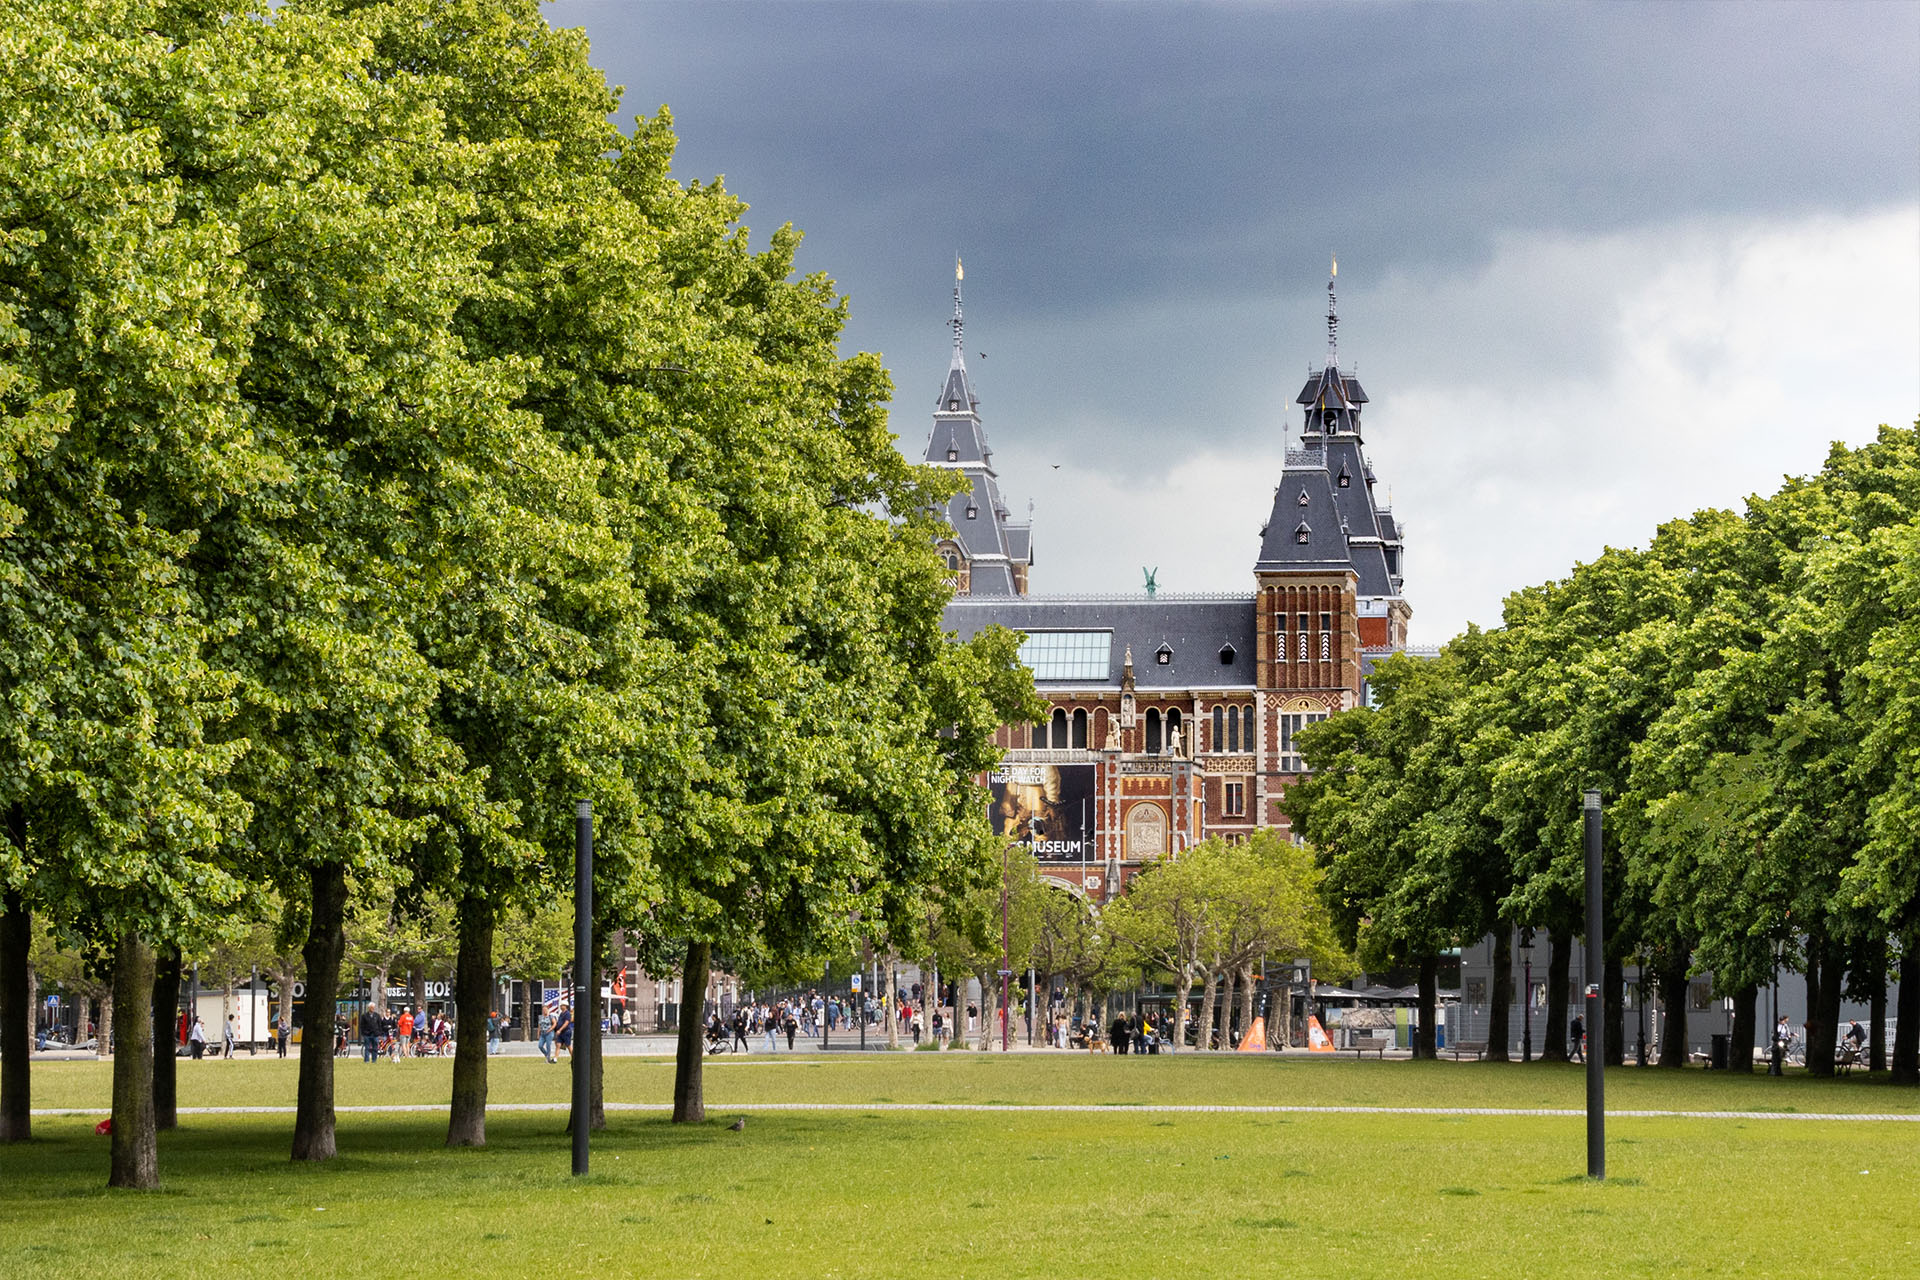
pixel 1526 997
pixel 583 1043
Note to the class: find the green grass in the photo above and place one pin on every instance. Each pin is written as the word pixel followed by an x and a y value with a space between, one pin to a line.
pixel 1053 1194
pixel 1029 1078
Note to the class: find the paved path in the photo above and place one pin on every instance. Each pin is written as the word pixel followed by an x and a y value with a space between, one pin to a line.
pixel 1124 1108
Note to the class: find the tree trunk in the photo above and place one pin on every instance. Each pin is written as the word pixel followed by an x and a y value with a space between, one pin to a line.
pixel 1500 1012
pixel 103 1040
pixel 689 1100
pixel 1203 1034
pixel 529 1011
pixel 1823 1028
pixel 16 1031
pixel 1906 1014
pixel 1877 1011
pixel 986 1019
pixel 1614 1009
pixel 1221 1028
pixel 472 1002
pixel 1559 958
pixel 1740 1052
pixel 82 1015
pixel 165 1008
pixel 1424 1044
pixel 1673 1000
pixel 1181 990
pixel 313 1133
pixel 893 1006
pixel 379 992
pixel 135 1160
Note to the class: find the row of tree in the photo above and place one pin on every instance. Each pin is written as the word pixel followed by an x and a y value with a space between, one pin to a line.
pixel 1213 916
pixel 391 453
pixel 1745 691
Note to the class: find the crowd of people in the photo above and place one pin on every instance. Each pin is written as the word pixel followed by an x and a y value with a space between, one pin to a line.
pixel 401 1032
pixel 810 1015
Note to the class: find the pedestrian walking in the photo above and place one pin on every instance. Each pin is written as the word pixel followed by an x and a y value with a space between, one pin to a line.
pixel 563 1030
pixel 197 1039
pixel 280 1033
pixel 1577 1040
pixel 493 1033
pixel 546 1036
pixel 229 1037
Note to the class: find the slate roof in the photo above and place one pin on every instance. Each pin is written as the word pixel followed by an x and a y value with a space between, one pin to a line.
pixel 1194 628
pixel 977 514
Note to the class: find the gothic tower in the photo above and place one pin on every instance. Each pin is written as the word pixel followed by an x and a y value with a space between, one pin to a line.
pixel 988 553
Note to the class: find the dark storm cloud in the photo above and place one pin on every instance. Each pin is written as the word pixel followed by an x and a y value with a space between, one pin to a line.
pixel 1106 154
pixel 1542 213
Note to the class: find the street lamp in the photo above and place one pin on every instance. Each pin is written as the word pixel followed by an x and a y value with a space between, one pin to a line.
pixel 1526 999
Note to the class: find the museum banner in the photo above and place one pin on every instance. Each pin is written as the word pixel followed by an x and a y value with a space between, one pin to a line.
pixel 1048 807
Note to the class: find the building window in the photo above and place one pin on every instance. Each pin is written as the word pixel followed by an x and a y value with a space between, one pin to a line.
pixel 1219 726
pixel 1233 729
pixel 1346 480
pixel 1326 636
pixel 1300 644
pixel 972 511
pixel 1163 655
pixel 1302 533
pixel 1080 729
pixel 1226 655
pixel 1246 728
pixel 1290 725
pixel 1173 726
pixel 1059 729
pixel 1303 497
pixel 1153 731
pixel 1039 736
pixel 1236 800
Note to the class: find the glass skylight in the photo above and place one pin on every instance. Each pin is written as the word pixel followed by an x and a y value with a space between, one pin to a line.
pixel 1068 655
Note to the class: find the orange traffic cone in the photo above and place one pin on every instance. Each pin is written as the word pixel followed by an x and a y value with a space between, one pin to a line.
pixel 1256 1038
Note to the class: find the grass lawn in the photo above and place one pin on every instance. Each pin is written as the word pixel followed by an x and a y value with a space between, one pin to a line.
pixel 1058 1194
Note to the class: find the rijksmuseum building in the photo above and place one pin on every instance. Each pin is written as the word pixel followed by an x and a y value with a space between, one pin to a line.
pixel 1173 716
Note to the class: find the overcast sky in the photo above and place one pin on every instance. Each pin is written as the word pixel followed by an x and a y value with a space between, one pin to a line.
pixel 1599 266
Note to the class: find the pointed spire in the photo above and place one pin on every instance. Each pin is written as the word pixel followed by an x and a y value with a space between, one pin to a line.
pixel 959 321
pixel 1333 319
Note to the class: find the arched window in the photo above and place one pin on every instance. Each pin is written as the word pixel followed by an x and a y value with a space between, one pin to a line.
pixel 1059 729
pixel 1233 729
pixel 1173 723
pixel 1039 735
pixel 1153 731
pixel 1246 727
pixel 1220 727
pixel 1080 729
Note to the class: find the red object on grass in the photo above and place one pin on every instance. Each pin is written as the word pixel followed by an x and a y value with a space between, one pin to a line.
pixel 104 1127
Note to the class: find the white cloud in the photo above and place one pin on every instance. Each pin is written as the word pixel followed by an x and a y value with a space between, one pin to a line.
pixel 1571 393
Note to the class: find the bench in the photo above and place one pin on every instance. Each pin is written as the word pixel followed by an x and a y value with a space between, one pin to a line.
pixel 1478 1048
pixel 1370 1044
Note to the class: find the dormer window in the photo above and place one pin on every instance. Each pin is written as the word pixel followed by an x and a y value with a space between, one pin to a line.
pixel 953 454
pixel 973 511
pixel 1163 655
pixel 1302 533
pixel 1226 655
pixel 1346 479
pixel 1303 497
pixel 953 405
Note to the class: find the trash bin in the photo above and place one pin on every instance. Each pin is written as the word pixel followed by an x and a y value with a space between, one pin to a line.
pixel 1717 1052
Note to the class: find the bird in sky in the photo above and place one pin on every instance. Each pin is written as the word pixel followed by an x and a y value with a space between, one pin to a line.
pixel 1056 466
pixel 983 355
